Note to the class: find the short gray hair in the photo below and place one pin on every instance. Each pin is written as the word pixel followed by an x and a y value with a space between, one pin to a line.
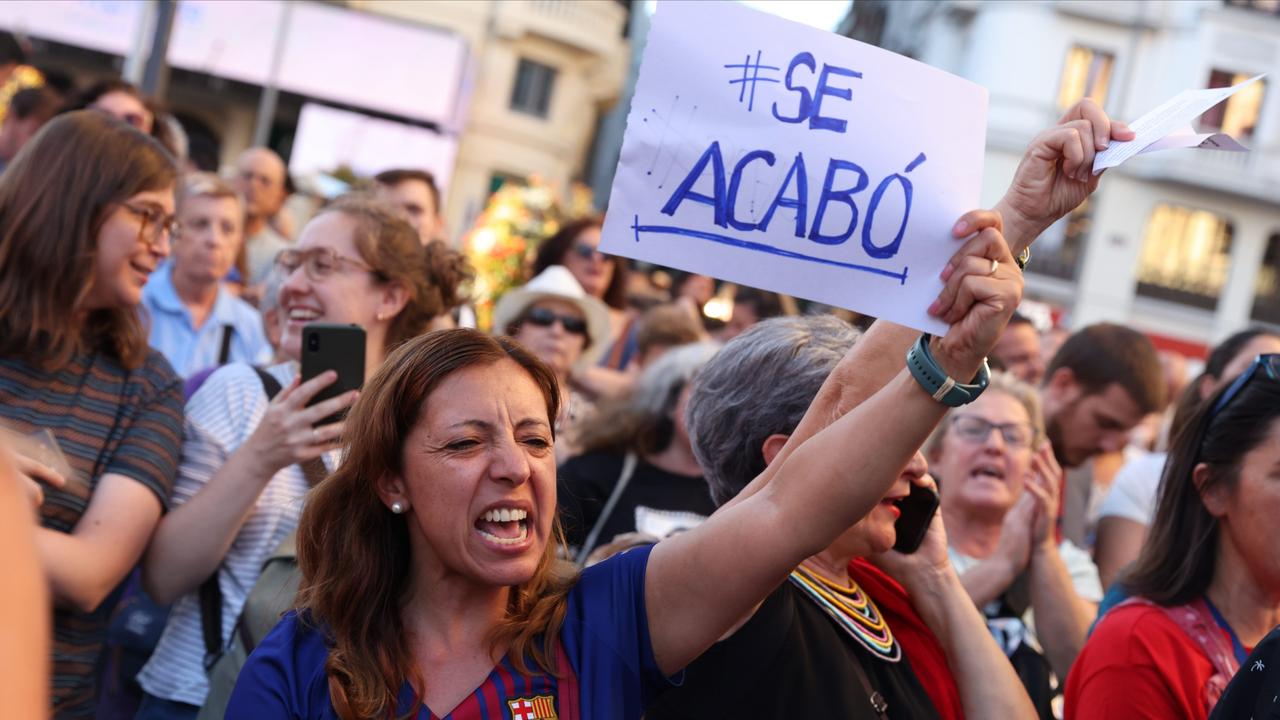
pixel 760 384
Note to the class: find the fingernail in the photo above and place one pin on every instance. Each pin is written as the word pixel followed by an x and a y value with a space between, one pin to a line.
pixel 933 309
pixel 946 272
pixel 961 228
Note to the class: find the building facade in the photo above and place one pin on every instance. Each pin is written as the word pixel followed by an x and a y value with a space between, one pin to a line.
pixel 1183 244
pixel 477 91
pixel 545 71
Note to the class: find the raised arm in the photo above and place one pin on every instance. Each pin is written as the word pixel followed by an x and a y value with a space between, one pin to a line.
pixel 1062 616
pixel 1055 174
pixel 701 582
pixel 219 484
pixel 989 688
pixel 1047 185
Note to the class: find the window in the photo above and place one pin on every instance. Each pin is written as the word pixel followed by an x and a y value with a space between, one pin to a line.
pixel 1237 116
pixel 1058 252
pixel 1266 299
pixel 1086 73
pixel 1185 256
pixel 1267 6
pixel 532 92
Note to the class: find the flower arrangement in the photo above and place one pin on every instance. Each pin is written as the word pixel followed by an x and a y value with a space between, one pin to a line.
pixel 504 238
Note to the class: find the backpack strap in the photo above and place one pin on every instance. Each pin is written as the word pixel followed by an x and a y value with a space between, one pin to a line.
pixel 224 352
pixel 624 479
pixel 210 590
pixel 1197 622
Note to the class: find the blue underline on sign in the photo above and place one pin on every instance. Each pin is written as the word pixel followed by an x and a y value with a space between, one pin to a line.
pixel 901 277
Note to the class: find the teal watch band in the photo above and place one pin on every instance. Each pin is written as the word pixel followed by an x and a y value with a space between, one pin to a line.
pixel 936 382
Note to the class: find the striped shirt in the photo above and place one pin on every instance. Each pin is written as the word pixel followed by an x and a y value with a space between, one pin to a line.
pixel 106 419
pixel 191 349
pixel 220 417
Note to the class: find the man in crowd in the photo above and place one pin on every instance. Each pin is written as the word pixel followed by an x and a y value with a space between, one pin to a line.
pixel 1018 350
pixel 1103 381
pixel 196 323
pixel 413 193
pixel 260 180
pixel 750 306
pixel 28 111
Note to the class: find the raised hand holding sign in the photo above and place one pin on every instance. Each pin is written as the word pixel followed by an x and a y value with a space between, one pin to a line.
pixel 787 158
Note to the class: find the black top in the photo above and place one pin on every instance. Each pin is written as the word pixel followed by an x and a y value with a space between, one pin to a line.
pixel 586 481
pixel 791 661
pixel 1255 690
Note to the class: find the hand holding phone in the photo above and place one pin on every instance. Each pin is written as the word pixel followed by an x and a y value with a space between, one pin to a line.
pixel 917 510
pixel 336 347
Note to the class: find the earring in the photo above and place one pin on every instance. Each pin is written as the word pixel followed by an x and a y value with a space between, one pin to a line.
pixel 380 317
pixel 398 507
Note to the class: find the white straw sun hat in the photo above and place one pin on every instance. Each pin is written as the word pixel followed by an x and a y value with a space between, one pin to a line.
pixel 557 283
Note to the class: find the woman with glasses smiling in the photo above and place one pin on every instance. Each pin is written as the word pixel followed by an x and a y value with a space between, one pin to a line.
pixel 250 454
pixel 1206 585
pixel 999 486
pixel 85 214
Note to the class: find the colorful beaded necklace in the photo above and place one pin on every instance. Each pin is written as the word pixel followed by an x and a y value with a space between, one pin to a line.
pixel 852 610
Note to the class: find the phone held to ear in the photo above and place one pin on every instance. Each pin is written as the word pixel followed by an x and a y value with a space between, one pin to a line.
pixel 337 347
pixel 917 512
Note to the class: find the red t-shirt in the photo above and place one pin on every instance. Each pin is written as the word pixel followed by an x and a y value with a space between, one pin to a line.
pixel 918 642
pixel 1139 665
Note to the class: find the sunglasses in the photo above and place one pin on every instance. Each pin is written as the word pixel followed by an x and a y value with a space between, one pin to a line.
pixel 1268 365
pixel 543 317
pixel 589 252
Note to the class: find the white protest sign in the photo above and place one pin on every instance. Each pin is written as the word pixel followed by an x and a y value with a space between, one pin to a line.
pixel 1169 126
pixel 778 156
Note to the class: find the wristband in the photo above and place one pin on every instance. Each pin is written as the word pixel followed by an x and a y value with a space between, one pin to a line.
pixel 935 381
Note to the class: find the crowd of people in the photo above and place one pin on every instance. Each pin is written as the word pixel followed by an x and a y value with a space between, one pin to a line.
pixel 606 505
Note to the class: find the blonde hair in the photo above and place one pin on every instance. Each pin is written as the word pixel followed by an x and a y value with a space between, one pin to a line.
pixel 204 184
pixel 1001 382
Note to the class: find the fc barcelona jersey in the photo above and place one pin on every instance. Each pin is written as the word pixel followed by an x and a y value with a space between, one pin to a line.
pixel 604 645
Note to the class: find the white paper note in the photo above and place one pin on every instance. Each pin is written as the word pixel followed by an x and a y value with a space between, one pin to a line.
pixel 782 157
pixel 1169 126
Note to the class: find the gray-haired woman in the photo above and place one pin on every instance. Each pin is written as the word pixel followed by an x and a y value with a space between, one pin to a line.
pixel 637 475
pixel 1000 485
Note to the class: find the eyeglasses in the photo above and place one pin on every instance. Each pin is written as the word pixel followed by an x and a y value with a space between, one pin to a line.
pixel 320 263
pixel 589 252
pixel 543 317
pixel 1268 365
pixel 976 430
pixel 154 223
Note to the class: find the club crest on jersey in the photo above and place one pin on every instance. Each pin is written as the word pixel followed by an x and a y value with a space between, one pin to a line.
pixel 542 707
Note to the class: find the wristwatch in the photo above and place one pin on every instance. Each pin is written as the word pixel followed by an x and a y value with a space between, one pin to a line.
pixel 935 381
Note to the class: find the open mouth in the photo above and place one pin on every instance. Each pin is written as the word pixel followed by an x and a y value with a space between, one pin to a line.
pixel 504 526
pixel 988 471
pixel 303 315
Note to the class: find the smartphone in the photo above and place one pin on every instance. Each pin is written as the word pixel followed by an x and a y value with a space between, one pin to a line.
pixel 337 347
pixel 917 512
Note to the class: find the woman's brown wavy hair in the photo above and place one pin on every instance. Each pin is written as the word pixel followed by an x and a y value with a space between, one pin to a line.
pixel 54 199
pixel 355 555
pixel 390 246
